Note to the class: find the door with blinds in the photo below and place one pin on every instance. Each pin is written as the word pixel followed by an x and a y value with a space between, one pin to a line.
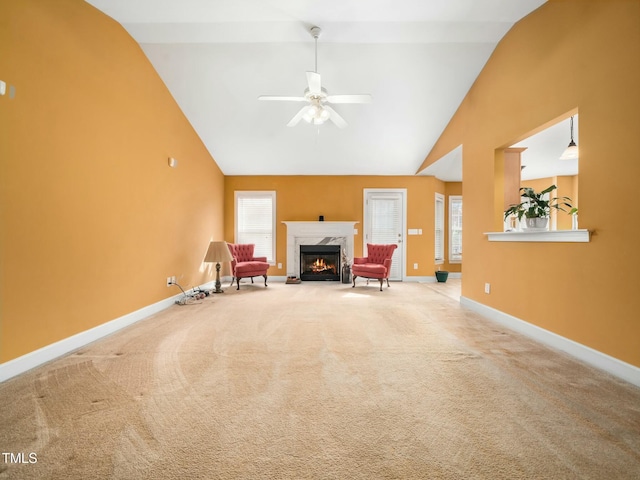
pixel 384 219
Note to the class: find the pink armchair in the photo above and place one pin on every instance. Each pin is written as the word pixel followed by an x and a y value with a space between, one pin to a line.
pixel 245 265
pixel 376 265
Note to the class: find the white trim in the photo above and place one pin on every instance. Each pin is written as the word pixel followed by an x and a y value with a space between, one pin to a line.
pixel 620 369
pixel 580 236
pixel 50 352
pixel 457 259
pixel 419 279
pixel 438 212
pixel 366 226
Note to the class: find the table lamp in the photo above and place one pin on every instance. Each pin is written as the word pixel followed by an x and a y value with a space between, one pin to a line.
pixel 218 252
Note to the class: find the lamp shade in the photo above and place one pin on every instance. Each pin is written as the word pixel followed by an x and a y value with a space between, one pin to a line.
pixel 570 152
pixel 218 252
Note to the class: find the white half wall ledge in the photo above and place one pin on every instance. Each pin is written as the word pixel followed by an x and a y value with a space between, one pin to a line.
pixel 34 359
pixel 602 361
pixel 557 236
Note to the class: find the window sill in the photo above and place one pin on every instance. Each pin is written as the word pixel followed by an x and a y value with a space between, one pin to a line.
pixel 576 236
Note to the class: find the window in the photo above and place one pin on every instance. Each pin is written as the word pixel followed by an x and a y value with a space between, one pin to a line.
pixel 439 229
pixel 255 222
pixel 455 229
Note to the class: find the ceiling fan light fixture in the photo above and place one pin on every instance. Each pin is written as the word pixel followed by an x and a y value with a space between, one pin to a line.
pixel 316 115
pixel 310 113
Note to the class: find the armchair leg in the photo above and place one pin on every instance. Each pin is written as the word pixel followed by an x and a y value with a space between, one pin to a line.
pixel 232 279
pixel 251 279
pixel 388 282
pixel 265 280
pixel 381 283
pixel 354 281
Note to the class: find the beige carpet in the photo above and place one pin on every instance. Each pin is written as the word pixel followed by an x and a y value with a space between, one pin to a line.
pixel 320 381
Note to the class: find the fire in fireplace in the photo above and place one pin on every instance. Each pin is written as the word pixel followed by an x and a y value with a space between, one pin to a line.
pixel 320 262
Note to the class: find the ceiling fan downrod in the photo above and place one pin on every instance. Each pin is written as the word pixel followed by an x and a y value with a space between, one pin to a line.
pixel 315 33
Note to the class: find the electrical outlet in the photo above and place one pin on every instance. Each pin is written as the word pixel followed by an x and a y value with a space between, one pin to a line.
pixel 280 266
pixel 415 266
pixel 169 281
pixel 487 288
pixel 173 280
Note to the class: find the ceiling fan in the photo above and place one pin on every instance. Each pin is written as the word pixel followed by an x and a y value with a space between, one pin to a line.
pixel 317 111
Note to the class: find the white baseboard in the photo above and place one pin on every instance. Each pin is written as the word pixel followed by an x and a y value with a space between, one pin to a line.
pixel 432 279
pixel 620 369
pixel 50 352
pixel 419 279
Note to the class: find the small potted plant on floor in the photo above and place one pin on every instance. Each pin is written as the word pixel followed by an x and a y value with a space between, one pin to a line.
pixel 536 208
pixel 442 275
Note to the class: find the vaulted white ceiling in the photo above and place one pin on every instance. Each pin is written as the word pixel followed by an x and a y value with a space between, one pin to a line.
pixel 416 58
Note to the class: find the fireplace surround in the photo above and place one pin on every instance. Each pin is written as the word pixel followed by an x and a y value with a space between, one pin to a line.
pixel 317 233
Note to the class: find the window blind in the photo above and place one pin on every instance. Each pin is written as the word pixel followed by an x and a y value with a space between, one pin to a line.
pixel 386 223
pixel 255 222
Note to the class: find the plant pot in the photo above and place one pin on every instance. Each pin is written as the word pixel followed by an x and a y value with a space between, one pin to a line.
pixel 442 276
pixel 346 274
pixel 536 223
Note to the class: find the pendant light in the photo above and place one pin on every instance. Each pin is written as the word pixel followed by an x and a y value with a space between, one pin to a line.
pixel 571 152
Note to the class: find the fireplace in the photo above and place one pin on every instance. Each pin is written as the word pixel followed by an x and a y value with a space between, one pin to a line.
pixel 325 233
pixel 320 262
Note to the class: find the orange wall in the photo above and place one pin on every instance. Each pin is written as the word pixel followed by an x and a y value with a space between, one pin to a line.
pixel 567 56
pixel 340 198
pixel 92 218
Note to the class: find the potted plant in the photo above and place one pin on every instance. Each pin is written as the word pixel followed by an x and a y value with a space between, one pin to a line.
pixel 442 275
pixel 535 208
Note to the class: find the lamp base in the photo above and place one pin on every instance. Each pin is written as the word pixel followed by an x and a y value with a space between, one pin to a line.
pixel 218 284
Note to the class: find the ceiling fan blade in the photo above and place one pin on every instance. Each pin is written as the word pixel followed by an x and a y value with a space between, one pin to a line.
pixel 364 98
pixel 334 117
pixel 315 85
pixel 298 116
pixel 286 99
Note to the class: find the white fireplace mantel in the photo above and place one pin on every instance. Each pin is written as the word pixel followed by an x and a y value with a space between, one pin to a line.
pixel 316 233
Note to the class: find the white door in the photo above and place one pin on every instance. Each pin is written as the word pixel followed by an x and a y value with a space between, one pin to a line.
pixel 384 218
